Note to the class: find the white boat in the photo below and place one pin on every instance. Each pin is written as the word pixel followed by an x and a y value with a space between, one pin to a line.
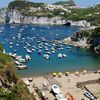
pixel 22 60
pixel 46 44
pixel 27 57
pixel 60 55
pixel 53 51
pixel 25 47
pixel 29 51
pixel 88 95
pixel 53 44
pixel 55 88
pixel 17 44
pixel 33 49
pixel 64 55
pixel 18 63
pixel 68 47
pixel 61 97
pixel 14 55
pixel 22 67
pixel 40 47
pixel 46 49
pixel 10 54
pixel 46 56
pixel 18 57
pixel 11 43
pixel 60 48
pixel 39 51
pixel 33 28
pixel 28 44
pixel 49 53
pixel 10 46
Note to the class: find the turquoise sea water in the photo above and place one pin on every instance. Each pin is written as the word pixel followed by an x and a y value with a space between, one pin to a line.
pixel 20 35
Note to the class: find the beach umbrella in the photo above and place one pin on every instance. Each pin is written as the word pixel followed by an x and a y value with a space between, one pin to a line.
pixel 60 73
pixel 77 72
pixel 84 71
pixel 67 72
pixel 98 71
pixel 54 74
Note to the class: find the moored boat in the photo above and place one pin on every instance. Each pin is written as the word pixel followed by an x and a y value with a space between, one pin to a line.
pixel 21 67
pixel 60 55
pixel 27 57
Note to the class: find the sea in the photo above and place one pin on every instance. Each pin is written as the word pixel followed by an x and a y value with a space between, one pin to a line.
pixel 16 37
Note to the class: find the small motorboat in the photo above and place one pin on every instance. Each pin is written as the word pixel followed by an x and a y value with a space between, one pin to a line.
pixel 27 57
pixel 29 51
pixel 39 51
pixel 64 55
pixel 49 53
pixel 33 49
pixel 18 63
pixel 88 95
pixel 22 60
pixel 55 88
pixel 53 51
pixel 60 55
pixel 18 57
pixel 14 55
pixel 21 67
pixel 46 49
pixel 61 96
pixel 46 56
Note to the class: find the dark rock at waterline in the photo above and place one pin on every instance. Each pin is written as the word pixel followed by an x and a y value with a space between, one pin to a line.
pixel 7 19
pixel 67 24
pixel 96 40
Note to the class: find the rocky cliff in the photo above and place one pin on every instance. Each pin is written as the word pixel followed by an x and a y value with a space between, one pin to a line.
pixel 16 17
pixel 22 11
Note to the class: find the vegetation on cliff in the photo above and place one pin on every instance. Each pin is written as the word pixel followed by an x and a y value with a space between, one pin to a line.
pixel 91 14
pixel 1 48
pixel 93 37
pixel 26 8
pixel 11 86
pixel 90 33
pixel 68 3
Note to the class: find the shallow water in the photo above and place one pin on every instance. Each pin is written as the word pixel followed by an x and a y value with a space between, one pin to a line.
pixel 20 35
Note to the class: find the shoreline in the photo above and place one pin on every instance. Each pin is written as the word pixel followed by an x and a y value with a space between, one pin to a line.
pixel 42 75
pixel 66 83
pixel 68 41
pixel 55 24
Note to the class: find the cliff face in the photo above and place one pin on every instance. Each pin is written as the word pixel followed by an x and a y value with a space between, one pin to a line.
pixel 23 11
pixel 16 17
pixel 35 13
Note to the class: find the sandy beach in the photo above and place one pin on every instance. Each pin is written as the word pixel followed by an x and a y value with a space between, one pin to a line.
pixel 67 84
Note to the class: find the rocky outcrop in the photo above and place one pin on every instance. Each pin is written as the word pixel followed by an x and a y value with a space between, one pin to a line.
pixel 81 23
pixel 16 17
